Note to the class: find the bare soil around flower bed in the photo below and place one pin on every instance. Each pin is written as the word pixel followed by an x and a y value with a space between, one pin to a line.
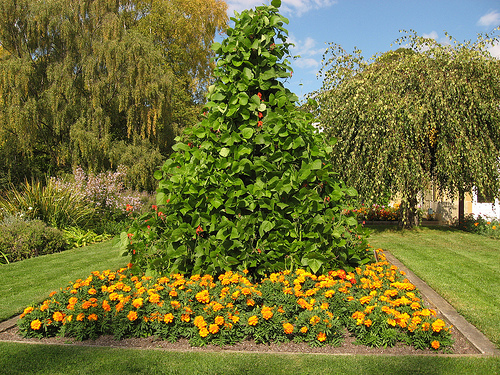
pixel 461 346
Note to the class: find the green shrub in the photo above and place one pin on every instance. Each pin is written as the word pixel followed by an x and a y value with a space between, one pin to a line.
pixel 78 237
pixel 56 207
pixel 251 186
pixel 22 239
pixel 481 225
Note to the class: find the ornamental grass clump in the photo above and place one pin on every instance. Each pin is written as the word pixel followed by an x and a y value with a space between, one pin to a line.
pixel 251 186
pixel 375 303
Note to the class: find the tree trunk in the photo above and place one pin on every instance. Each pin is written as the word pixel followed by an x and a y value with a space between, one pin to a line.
pixel 461 213
pixel 408 216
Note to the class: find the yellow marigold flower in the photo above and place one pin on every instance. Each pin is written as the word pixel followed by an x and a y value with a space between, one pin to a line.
pixel 213 329
pixel 219 320
pixel 267 312
pixel 314 320
pixel 137 302
pixel 435 344
pixel 324 306
pixel 92 317
pixel 80 317
pixel 154 298
pixel 321 336
pixel 236 319
pixel 288 328
pixel 113 296
pixel 92 291
pixel 250 302
pixel 369 309
pixel 329 293
pixel 169 318
pixel 175 304
pixel 303 330
pixel 438 325
pixel 365 299
pixel 415 306
pixel 173 293
pixel 425 326
pixel 253 320
pixel 350 298
pixel 58 316
pixel 204 332
pixel 391 322
pixel 185 317
pixel 36 324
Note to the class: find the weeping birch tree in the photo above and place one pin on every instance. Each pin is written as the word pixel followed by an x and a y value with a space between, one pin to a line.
pixel 94 82
pixel 425 112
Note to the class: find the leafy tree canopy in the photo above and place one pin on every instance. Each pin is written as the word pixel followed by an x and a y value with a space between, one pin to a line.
pixel 79 76
pixel 425 112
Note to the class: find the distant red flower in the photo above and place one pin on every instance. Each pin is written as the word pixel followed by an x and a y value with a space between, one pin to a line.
pixel 259 124
pixel 261 115
pixel 259 95
pixel 199 230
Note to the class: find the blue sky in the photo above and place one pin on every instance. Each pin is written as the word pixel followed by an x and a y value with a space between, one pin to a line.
pixel 371 26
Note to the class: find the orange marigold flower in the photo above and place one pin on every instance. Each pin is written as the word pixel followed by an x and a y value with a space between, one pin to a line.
pixel 132 315
pixel 80 317
pixel 27 310
pixel 92 317
pixel 303 329
pixel 154 298
pixel 368 322
pixel 267 312
pixel 438 325
pixel 425 326
pixel 213 329
pixel 199 322
pixel 324 306
pixel 169 318
pixel 58 316
pixel 173 293
pixel 175 304
pixel 321 336
pixel 435 344
pixel 252 321
pixel 203 296
pixel 288 328
pixel 106 306
pixel 36 324
pixel 250 302
pixel 92 291
pixel 185 317
pixel 204 332
pixel 219 320
pixel 217 306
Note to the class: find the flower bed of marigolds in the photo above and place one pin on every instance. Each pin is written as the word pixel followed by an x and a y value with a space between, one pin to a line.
pixel 376 303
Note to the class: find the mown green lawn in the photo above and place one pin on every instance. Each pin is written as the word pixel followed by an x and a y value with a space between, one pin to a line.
pixel 31 280
pixel 464 268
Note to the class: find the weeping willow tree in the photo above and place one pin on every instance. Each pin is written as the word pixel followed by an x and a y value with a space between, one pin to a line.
pixel 96 82
pixel 425 112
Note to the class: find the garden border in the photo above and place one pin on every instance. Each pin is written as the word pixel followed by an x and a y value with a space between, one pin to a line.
pixel 471 333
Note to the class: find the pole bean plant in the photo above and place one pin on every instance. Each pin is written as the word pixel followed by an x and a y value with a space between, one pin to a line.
pixel 251 186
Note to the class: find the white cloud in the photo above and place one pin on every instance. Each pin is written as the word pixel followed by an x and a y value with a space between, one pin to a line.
pixel 490 19
pixel 297 7
pixel 431 35
pixel 307 51
pixel 495 50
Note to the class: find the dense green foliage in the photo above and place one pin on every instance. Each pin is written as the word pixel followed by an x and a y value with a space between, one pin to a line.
pixel 22 239
pixel 424 113
pixel 251 186
pixel 99 83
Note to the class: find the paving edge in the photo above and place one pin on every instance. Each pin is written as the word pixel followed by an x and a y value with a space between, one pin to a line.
pixel 471 333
